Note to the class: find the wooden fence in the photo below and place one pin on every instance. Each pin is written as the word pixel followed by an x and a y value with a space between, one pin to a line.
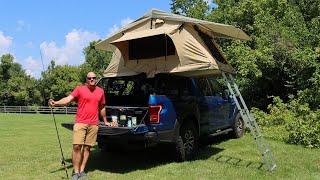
pixel 37 109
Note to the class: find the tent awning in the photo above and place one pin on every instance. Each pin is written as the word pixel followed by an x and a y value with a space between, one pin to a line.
pixel 220 30
pixel 217 29
pixel 145 33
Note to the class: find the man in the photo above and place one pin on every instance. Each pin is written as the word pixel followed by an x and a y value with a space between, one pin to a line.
pixel 91 100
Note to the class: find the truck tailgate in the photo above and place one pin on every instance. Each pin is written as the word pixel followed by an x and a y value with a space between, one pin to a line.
pixel 112 131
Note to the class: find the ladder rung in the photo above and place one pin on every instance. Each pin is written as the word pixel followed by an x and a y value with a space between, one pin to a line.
pixel 250 121
pixel 265 152
pixel 273 167
pixel 235 92
pixel 259 136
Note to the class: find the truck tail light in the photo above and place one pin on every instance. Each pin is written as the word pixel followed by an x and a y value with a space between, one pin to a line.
pixel 154 112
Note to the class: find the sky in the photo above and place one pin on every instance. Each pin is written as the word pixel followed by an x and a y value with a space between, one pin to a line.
pixel 60 29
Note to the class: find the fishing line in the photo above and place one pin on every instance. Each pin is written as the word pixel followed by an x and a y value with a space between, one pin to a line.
pixel 63 162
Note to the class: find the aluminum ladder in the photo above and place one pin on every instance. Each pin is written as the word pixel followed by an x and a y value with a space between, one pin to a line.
pixel 250 122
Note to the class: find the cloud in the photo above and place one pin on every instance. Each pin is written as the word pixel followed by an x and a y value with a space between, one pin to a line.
pixel 71 51
pixel 5 43
pixel 115 27
pixel 21 25
pixel 33 67
pixel 126 21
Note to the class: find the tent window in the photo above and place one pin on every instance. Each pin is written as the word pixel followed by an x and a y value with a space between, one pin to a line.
pixel 151 47
pixel 213 49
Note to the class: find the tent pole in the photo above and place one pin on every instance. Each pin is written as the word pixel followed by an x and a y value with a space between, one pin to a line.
pixel 165 37
pixel 165 57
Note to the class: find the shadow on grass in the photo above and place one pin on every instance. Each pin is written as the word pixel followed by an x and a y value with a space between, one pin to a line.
pixel 229 159
pixel 63 176
pixel 240 162
pixel 127 160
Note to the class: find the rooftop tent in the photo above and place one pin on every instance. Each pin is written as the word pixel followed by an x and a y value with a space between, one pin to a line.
pixel 161 42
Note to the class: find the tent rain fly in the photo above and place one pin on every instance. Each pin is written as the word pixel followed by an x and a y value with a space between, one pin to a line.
pixel 161 42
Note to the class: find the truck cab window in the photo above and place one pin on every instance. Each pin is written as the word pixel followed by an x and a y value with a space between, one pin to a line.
pixel 218 87
pixel 204 87
pixel 119 87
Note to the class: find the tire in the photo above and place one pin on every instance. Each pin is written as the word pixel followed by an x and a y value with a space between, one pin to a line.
pixel 187 142
pixel 180 151
pixel 238 127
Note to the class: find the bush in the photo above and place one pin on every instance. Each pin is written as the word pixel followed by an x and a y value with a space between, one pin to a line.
pixel 305 129
pixel 301 123
pixel 279 114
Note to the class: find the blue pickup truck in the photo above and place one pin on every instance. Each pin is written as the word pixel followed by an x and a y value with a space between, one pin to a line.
pixel 167 109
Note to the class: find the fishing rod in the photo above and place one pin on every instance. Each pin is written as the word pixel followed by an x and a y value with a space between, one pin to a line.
pixel 63 162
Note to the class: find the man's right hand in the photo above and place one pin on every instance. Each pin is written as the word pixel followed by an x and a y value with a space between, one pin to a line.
pixel 107 123
pixel 51 103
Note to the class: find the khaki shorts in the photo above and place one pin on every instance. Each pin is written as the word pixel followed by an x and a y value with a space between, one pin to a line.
pixel 85 134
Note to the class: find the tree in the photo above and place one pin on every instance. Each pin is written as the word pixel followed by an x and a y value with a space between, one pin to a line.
pixel 23 91
pixel 191 8
pixel 283 56
pixel 95 60
pixel 16 88
pixel 9 68
pixel 59 81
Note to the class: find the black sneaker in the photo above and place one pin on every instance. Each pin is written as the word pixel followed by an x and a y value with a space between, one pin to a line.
pixel 75 176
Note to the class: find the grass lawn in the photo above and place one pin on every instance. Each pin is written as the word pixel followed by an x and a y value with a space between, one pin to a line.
pixel 29 150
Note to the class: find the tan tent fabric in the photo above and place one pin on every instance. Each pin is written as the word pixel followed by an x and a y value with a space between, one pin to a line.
pixel 226 31
pixel 216 29
pixel 146 33
pixel 116 66
pixel 105 44
pixel 192 56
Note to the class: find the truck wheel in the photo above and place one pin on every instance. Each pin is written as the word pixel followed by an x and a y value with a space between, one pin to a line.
pixel 187 143
pixel 180 151
pixel 238 127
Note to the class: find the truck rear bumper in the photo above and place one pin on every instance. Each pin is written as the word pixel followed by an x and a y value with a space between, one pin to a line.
pixel 138 136
pixel 130 136
pixel 129 140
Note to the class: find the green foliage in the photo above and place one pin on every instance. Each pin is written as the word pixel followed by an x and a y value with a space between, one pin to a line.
pixel 283 56
pixel 301 124
pixel 9 68
pixel 311 95
pixel 16 88
pixel 24 90
pixel 95 61
pixel 305 129
pixel 191 8
pixel 279 114
pixel 59 81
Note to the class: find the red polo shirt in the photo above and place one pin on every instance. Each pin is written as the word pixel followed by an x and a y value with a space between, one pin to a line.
pixel 88 104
